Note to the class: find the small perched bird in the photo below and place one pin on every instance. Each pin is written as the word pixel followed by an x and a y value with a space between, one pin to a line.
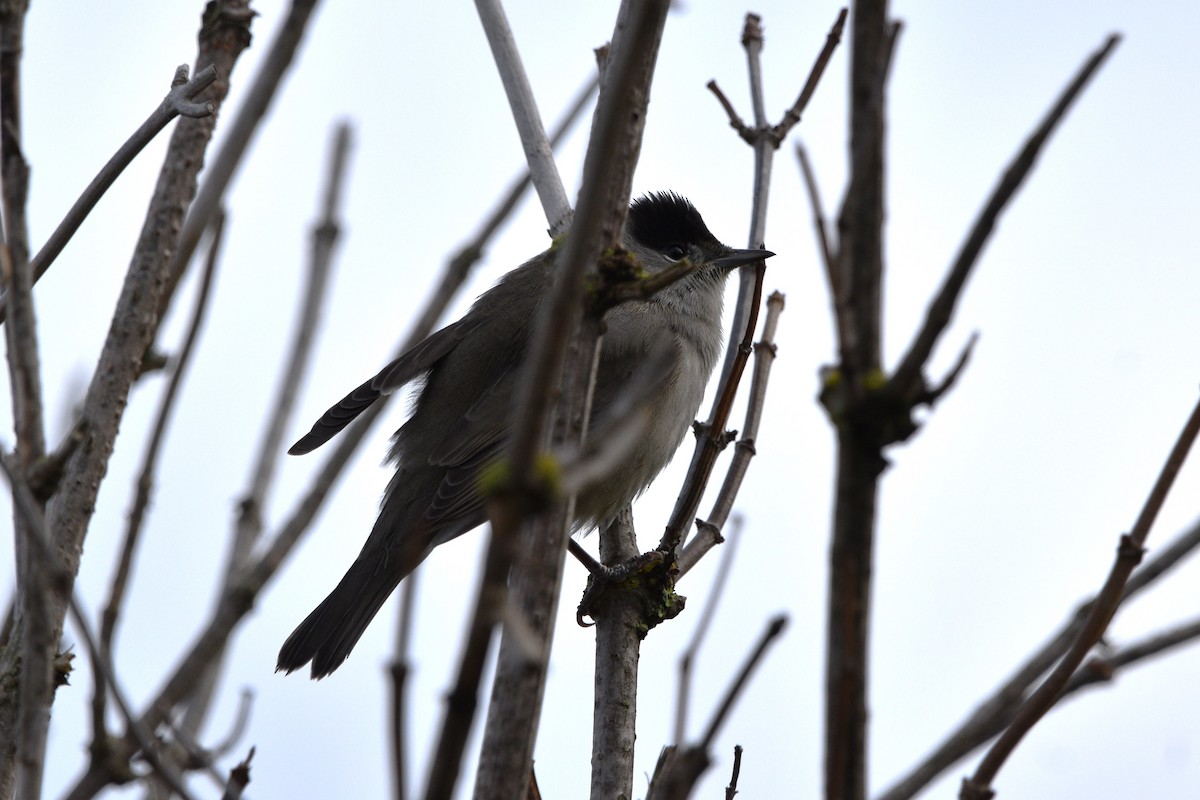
pixel 464 413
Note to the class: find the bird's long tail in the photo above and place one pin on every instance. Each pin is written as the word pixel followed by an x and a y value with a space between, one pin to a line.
pixel 330 632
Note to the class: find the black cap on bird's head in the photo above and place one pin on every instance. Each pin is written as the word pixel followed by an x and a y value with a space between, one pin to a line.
pixel 667 223
pixel 661 219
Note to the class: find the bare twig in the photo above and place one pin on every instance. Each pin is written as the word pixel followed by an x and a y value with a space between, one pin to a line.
pixel 731 789
pixel 709 531
pixel 744 450
pixel 995 712
pixel 177 102
pixel 538 153
pixel 859 460
pixel 135 319
pixel 239 778
pixel 774 628
pixel 791 117
pixel 907 378
pixel 241 129
pixel 38 539
pixel 1129 554
pixel 31 657
pixel 145 481
pixel 678 769
pixel 735 120
pixel 710 435
pixel 682 697
pixel 828 258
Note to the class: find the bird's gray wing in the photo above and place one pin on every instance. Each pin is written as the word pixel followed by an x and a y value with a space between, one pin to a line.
pixel 413 363
pixel 478 440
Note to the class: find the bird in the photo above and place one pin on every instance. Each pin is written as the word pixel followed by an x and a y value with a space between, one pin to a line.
pixel 468 374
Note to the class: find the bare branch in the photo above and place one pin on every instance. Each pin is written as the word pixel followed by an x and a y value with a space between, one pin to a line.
pixel 538 152
pixel 239 778
pixel 995 712
pixel 744 450
pixel 745 316
pixel 708 534
pixel 731 790
pixel 682 697
pixel 612 152
pixel 31 655
pixel 837 295
pixel 145 482
pixel 931 395
pixel 792 117
pixel 678 769
pixel 135 320
pixel 907 377
pixel 40 550
pixel 1129 553
pixel 176 102
pixel 241 129
pixel 859 460
pixel 735 121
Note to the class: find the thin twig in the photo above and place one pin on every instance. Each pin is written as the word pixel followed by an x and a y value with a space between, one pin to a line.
pixel 177 102
pixel 735 121
pixel 731 789
pixel 223 36
pixel 828 257
pixel 1129 553
pixel 239 778
pixel 683 695
pixel 995 712
pixel 40 549
pixel 538 153
pixel 791 117
pixel 709 531
pixel 31 659
pixel 145 481
pixel 907 377
pixel 679 769
pixel 710 436
pixel 259 95
pixel 764 358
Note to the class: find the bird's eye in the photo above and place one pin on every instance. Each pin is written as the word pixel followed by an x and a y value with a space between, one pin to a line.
pixel 674 252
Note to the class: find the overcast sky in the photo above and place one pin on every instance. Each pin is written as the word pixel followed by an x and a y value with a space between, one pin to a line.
pixel 995 520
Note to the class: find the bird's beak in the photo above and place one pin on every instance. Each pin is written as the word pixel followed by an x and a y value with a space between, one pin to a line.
pixel 740 258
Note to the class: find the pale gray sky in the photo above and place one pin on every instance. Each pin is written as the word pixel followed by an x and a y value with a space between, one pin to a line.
pixel 1000 515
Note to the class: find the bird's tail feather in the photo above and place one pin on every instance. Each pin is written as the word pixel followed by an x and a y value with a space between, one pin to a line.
pixel 330 632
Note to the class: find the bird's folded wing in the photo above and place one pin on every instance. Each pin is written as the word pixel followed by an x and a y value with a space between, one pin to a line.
pixel 410 365
pixel 478 440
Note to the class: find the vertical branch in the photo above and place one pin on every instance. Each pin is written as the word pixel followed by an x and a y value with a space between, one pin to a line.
pixel 101 745
pixel 37 631
pixel 260 92
pixel 860 460
pixel 612 153
pixel 135 321
pixel 618 644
